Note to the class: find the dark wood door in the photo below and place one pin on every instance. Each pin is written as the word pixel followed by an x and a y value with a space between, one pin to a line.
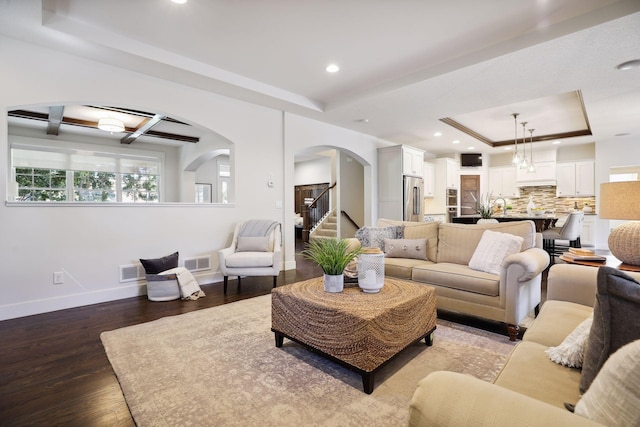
pixel 470 194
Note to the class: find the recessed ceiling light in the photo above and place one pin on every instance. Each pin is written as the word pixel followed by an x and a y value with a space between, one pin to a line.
pixel 471 148
pixel 362 120
pixel 437 134
pixel 455 141
pixel 508 147
pixel 622 134
pixel 634 63
pixel 556 142
pixel 179 1
pixel 332 68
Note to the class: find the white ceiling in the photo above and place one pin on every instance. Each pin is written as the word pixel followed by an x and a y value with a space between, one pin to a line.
pixel 405 64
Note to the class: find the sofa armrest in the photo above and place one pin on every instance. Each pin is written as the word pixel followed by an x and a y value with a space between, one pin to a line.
pixel 573 283
pixel 533 261
pixel 453 399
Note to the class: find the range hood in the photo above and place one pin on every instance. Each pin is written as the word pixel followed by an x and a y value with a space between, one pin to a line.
pixel 541 183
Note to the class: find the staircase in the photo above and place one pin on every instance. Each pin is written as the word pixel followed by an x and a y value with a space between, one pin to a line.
pixel 327 228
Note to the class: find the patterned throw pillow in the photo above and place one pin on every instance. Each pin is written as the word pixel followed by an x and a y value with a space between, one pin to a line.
pixel 374 237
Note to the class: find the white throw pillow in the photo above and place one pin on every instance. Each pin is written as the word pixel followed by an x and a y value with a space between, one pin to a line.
pixel 492 249
pixel 613 398
pixel 252 244
pixel 571 351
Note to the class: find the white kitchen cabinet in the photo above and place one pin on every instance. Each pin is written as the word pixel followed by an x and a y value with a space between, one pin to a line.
pixel 451 172
pixel 412 161
pixel 585 178
pixel 575 179
pixel 429 170
pixel 502 182
pixel 587 237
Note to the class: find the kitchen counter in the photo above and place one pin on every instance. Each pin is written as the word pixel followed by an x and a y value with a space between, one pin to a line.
pixel 542 222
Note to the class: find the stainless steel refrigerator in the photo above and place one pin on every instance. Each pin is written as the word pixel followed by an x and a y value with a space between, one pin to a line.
pixel 413 198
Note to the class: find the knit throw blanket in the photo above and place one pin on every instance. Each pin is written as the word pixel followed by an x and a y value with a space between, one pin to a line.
pixel 189 287
pixel 257 227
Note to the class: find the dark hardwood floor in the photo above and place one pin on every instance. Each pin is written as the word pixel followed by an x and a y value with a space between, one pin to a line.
pixel 53 368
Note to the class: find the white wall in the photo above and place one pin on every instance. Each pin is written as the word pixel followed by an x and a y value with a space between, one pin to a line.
pixel 315 171
pixel 89 243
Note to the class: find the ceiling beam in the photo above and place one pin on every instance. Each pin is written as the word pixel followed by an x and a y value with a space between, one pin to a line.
pixel 146 126
pixel 55 119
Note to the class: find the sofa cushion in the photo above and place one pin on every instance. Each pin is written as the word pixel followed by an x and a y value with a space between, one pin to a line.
pixel 406 248
pixel 613 398
pixel 457 276
pixel 492 249
pixel 458 242
pixel 530 372
pixel 555 321
pixel 158 265
pixel 249 259
pixel 571 351
pixel 373 237
pixel 402 268
pixel 417 230
pixel 616 320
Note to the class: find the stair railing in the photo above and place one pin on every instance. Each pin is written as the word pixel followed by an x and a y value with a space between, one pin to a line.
pixel 346 215
pixel 313 212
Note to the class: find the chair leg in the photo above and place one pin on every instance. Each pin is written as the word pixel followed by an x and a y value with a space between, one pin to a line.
pixel 226 282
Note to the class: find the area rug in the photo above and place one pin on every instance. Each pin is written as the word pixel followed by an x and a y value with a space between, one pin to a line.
pixel 219 366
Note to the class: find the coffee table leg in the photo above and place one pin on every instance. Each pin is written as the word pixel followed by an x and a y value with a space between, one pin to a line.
pixel 428 340
pixel 367 382
pixel 279 339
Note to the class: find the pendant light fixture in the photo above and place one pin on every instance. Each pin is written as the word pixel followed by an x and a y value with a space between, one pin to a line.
pixel 516 158
pixel 532 166
pixel 524 164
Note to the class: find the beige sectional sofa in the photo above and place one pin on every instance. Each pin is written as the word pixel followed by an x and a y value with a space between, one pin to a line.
pixel 506 297
pixel 530 389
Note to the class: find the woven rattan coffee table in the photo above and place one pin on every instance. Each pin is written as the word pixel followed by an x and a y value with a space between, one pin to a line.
pixel 359 330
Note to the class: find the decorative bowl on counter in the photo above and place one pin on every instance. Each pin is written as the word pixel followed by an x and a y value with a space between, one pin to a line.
pixel 537 211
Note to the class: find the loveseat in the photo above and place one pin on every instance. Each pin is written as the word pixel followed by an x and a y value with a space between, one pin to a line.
pixel 439 255
pixel 531 389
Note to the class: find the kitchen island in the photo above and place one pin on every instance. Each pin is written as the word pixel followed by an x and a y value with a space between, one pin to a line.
pixel 542 222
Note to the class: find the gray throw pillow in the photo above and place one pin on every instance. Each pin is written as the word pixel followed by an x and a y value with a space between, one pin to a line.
pixel 371 237
pixel 158 265
pixel 616 320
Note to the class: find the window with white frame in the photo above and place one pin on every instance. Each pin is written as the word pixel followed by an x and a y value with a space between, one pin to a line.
pixel 68 175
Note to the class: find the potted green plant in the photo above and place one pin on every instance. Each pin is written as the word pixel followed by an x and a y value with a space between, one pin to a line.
pixel 333 256
pixel 485 208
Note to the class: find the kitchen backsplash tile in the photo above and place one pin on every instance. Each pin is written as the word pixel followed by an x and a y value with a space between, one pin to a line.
pixel 545 197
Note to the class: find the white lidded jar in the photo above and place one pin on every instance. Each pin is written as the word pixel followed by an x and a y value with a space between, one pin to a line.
pixel 371 270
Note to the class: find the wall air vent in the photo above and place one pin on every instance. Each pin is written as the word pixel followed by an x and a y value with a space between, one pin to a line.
pixel 131 272
pixel 198 264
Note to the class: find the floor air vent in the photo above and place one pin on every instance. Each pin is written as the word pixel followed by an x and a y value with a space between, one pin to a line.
pixel 197 264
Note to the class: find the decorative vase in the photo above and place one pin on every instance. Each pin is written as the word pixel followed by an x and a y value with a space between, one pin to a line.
pixel 371 271
pixel 487 221
pixel 530 205
pixel 333 283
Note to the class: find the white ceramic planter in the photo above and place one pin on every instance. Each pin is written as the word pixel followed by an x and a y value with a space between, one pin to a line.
pixel 333 283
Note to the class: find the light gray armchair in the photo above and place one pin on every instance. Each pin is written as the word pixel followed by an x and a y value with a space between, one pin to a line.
pixel 256 250
pixel 570 231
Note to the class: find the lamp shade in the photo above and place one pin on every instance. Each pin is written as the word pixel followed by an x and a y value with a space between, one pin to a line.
pixel 111 125
pixel 620 200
